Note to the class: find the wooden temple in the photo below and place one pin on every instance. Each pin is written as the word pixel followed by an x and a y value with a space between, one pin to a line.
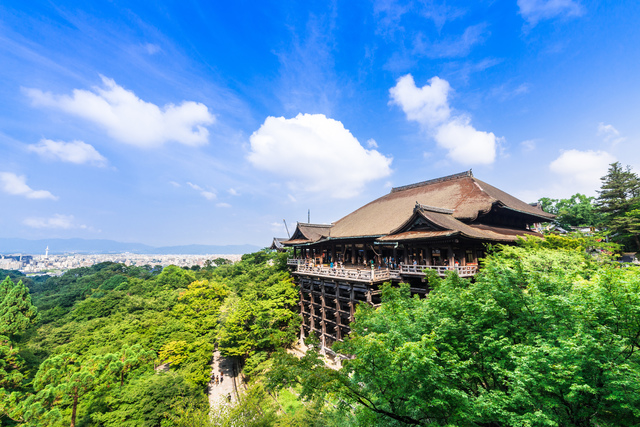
pixel 442 224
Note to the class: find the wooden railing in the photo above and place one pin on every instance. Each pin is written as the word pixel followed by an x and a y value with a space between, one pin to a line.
pixel 373 275
pixel 442 270
pixel 366 275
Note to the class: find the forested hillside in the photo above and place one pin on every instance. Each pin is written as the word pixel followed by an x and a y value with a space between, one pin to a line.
pixel 546 335
pixel 81 349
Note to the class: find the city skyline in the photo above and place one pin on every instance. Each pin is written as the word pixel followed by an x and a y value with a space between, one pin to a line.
pixel 202 123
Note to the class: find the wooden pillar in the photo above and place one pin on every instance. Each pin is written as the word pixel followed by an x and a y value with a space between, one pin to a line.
pixel 352 301
pixel 451 255
pixel 324 315
pixel 406 254
pixel 333 253
pixel 428 257
pixel 395 255
pixel 353 253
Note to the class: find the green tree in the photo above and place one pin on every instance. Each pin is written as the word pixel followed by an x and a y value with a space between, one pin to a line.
pixel 17 313
pixel 619 197
pixel 540 337
pixel 60 384
pixel 128 359
pixel 146 401
pixel 576 211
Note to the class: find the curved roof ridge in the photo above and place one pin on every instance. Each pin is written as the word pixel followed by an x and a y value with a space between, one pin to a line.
pixel 433 181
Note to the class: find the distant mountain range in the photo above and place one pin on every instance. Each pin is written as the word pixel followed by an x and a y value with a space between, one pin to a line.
pixel 101 246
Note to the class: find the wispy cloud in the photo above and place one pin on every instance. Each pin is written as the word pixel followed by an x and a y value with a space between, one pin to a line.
pixel 504 92
pixel 65 222
pixel 429 106
pixel 610 134
pixel 223 205
pixel 452 46
pixel 534 11
pixel 307 78
pixel 77 152
pixel 209 195
pixel 128 119
pixel 151 48
pixel 316 154
pixel 16 185
pixel 529 145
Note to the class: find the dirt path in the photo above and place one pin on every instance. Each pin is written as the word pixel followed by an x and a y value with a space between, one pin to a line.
pixel 225 388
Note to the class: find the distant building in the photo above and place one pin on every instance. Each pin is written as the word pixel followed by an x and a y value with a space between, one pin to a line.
pixel 277 243
pixel 441 224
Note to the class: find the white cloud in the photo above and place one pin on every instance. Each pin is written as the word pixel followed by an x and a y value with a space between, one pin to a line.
pixel 16 185
pixel 534 11
pixel 77 152
pixel 128 119
pixel 175 184
pixel 316 154
pixel 371 143
pixel 466 145
pixel 233 192
pixel 610 134
pixel 57 221
pixel 223 205
pixel 429 106
pixel 580 171
pixel 209 195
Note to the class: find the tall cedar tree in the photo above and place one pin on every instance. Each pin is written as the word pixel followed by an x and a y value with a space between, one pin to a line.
pixel 17 314
pixel 618 200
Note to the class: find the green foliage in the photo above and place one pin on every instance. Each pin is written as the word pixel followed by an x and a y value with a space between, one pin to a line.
pixel 104 327
pixel 17 313
pixel 146 401
pixel 60 384
pixel 541 337
pixel 576 211
pixel 618 202
pixel 262 316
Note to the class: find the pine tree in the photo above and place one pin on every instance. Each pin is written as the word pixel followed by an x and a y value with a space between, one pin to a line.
pixel 16 311
pixel 618 197
pixel 16 315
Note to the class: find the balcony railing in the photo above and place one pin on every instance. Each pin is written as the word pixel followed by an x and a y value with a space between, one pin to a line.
pixel 364 275
pixel 376 275
pixel 442 270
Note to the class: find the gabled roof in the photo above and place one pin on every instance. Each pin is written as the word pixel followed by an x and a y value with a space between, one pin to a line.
pixel 428 223
pixel 465 196
pixel 308 233
pixel 277 243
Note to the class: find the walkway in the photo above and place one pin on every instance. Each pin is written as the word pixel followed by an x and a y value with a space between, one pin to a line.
pixel 222 391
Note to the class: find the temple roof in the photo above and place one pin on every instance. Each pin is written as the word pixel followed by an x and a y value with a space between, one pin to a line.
pixel 463 194
pixel 307 233
pixel 440 207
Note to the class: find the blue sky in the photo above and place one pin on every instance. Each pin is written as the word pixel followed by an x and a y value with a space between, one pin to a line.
pixel 210 122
